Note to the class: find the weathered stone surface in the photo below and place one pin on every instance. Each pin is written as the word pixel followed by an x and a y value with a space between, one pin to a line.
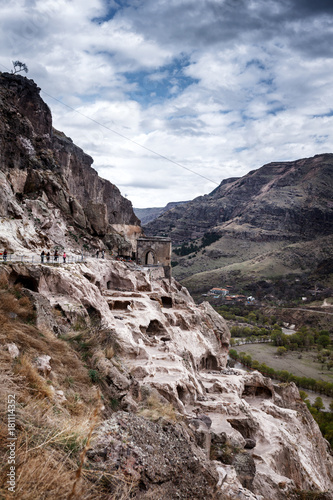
pixel 38 163
pixel 13 350
pixel 167 347
pixel 158 455
pixel 177 354
pixel 275 198
pixel 42 363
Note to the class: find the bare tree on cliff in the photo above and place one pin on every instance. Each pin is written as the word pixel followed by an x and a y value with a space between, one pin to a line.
pixel 19 66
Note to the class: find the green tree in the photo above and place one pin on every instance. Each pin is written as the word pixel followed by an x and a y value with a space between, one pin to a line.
pixel 324 340
pixel 318 404
pixel 281 350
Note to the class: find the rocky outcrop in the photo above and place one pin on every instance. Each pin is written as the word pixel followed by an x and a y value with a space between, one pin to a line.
pixel 175 422
pixel 212 431
pixel 160 455
pixel 47 184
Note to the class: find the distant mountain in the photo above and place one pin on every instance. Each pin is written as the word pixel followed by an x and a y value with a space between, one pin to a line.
pixel 147 215
pixel 260 225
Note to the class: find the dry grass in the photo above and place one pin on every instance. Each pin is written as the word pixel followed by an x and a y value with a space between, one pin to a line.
pixel 155 409
pixel 109 352
pixel 52 437
pixel 36 382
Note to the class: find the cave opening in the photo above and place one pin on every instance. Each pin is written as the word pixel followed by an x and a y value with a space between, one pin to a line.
pixel 211 362
pixel 94 314
pixel 182 393
pixel 257 391
pixel 166 302
pixel 119 305
pixel 155 328
pixel 27 282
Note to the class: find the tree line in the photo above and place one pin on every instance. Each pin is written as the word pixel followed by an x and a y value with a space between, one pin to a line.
pixel 283 375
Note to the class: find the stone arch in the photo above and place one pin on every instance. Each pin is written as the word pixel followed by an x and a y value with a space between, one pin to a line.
pixel 154 250
pixel 150 258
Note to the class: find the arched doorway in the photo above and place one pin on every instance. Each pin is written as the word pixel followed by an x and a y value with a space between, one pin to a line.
pixel 150 258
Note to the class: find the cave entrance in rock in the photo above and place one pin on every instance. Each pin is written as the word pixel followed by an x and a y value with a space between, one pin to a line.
pixel 166 302
pixel 94 315
pixel 155 328
pixel 182 393
pixel 27 282
pixel 257 391
pixel 211 362
pixel 120 305
pixel 150 259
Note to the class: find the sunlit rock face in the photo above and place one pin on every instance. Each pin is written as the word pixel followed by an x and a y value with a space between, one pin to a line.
pixel 248 437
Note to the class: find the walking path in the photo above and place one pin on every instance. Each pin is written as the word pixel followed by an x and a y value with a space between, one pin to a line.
pixel 37 259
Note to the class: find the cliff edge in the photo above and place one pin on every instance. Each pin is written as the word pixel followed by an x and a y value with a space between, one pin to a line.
pixel 47 184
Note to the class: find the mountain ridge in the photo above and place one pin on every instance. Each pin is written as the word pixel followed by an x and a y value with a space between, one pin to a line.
pixel 147 215
pixel 269 208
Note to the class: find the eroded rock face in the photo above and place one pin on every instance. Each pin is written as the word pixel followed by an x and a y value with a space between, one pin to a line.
pixel 47 183
pixel 159 456
pixel 256 439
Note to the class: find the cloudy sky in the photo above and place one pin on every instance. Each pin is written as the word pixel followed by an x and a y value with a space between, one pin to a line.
pixel 171 96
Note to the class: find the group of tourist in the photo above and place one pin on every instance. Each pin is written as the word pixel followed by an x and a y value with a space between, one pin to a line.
pixel 55 256
pixel 47 256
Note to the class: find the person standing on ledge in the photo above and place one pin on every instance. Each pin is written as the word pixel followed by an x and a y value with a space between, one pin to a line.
pixel 5 255
pixel 42 256
pixel 56 255
pixel 64 257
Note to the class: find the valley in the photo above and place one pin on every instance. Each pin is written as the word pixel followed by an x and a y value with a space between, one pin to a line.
pixel 121 379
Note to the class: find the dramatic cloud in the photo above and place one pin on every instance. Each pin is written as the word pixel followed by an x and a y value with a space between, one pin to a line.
pixel 219 87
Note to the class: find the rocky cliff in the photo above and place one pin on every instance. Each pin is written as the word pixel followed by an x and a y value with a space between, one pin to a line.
pixel 275 210
pixel 114 383
pixel 171 421
pixel 48 186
